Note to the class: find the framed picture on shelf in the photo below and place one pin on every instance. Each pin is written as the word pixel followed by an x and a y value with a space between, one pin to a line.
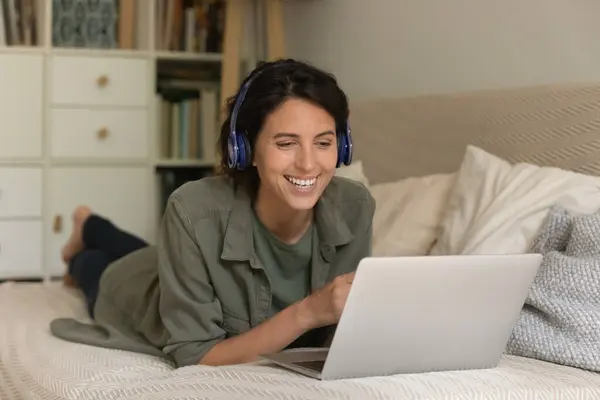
pixel 85 23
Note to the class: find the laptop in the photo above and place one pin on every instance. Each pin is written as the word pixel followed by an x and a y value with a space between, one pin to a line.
pixel 407 315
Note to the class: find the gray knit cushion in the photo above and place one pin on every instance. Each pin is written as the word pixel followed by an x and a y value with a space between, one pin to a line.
pixel 560 321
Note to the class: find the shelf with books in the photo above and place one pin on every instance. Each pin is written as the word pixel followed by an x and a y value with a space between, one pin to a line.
pixel 187 97
pixel 189 26
pixel 188 56
pixel 119 25
pixel 187 126
pixel 22 24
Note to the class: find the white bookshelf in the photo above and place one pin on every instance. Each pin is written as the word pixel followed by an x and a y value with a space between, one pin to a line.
pixel 80 126
pixel 87 131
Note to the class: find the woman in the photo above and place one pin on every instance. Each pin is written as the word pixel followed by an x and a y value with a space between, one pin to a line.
pixel 249 262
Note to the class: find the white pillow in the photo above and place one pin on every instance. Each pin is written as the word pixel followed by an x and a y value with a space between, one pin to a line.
pixel 408 213
pixel 353 171
pixel 497 207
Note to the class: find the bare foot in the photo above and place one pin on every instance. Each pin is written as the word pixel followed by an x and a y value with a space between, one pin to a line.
pixel 69 281
pixel 75 243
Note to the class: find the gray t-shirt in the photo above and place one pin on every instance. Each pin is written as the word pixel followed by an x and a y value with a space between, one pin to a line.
pixel 287 265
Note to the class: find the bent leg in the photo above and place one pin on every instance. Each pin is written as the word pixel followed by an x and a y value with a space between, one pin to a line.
pixel 101 234
pixel 86 269
pixel 93 232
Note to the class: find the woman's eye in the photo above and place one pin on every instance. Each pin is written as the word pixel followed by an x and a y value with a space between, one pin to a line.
pixel 325 144
pixel 284 145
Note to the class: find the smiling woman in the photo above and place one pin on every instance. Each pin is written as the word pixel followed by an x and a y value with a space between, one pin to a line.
pixel 253 261
pixel 294 169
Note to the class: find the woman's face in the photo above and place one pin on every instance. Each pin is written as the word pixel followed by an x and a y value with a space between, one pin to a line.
pixel 296 154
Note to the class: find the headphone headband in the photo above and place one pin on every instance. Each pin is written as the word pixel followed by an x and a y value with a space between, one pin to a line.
pixel 238 103
pixel 240 153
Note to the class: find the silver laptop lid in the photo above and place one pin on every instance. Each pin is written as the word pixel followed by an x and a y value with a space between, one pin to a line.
pixel 419 314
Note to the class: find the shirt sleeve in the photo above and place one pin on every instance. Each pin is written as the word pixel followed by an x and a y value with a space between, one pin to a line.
pixel 188 306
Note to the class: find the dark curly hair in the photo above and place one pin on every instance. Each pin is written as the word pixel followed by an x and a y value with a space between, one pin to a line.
pixel 273 83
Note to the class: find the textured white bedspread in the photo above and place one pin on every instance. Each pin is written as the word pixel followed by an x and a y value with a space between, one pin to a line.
pixel 35 365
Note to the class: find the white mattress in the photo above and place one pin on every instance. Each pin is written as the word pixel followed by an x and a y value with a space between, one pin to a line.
pixel 35 365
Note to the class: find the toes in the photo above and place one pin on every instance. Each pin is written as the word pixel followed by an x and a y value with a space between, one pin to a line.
pixel 81 213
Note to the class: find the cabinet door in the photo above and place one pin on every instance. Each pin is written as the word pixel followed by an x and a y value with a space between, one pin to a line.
pixel 20 192
pixel 21 249
pixel 121 194
pixel 21 105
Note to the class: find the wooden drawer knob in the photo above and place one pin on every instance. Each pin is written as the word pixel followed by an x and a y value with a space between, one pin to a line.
pixel 57 225
pixel 102 81
pixel 102 133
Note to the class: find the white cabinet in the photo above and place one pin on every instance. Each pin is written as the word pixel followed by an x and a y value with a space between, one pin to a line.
pixel 121 194
pixel 98 113
pixel 21 100
pixel 80 124
pixel 75 130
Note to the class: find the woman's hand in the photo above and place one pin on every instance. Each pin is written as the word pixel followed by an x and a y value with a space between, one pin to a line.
pixel 324 306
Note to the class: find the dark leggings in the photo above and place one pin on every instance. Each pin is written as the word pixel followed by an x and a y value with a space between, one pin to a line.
pixel 104 243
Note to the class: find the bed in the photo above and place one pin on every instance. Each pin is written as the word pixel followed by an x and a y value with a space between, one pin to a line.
pixel 412 153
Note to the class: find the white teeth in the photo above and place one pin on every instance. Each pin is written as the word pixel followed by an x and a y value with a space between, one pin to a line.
pixel 302 182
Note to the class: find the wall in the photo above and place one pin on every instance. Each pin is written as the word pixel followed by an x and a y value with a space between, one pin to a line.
pixel 409 47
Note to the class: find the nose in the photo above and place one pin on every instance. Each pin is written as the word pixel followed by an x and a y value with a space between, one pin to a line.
pixel 305 158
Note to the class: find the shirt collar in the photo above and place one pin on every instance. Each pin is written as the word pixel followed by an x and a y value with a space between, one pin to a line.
pixel 238 241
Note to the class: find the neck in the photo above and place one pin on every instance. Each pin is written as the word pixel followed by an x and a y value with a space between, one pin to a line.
pixel 287 224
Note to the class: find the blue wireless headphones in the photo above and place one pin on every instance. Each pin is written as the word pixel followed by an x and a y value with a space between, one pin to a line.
pixel 240 153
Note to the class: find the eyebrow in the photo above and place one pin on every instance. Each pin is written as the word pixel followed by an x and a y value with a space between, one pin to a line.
pixel 295 135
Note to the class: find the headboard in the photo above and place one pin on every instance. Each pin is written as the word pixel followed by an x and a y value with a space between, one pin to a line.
pixel 415 136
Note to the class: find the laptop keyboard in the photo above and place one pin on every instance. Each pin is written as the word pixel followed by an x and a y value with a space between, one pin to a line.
pixel 313 365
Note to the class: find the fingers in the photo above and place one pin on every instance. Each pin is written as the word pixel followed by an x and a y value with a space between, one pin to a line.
pixel 350 277
pixel 344 279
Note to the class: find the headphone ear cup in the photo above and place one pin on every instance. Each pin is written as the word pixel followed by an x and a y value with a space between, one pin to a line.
pixel 348 150
pixel 344 150
pixel 340 150
pixel 244 152
pixel 241 155
pixel 232 148
pixel 247 151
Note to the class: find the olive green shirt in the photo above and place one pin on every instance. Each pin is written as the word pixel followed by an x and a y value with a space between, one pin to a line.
pixel 204 282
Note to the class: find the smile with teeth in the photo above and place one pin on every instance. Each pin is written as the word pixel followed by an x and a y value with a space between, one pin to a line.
pixel 302 183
